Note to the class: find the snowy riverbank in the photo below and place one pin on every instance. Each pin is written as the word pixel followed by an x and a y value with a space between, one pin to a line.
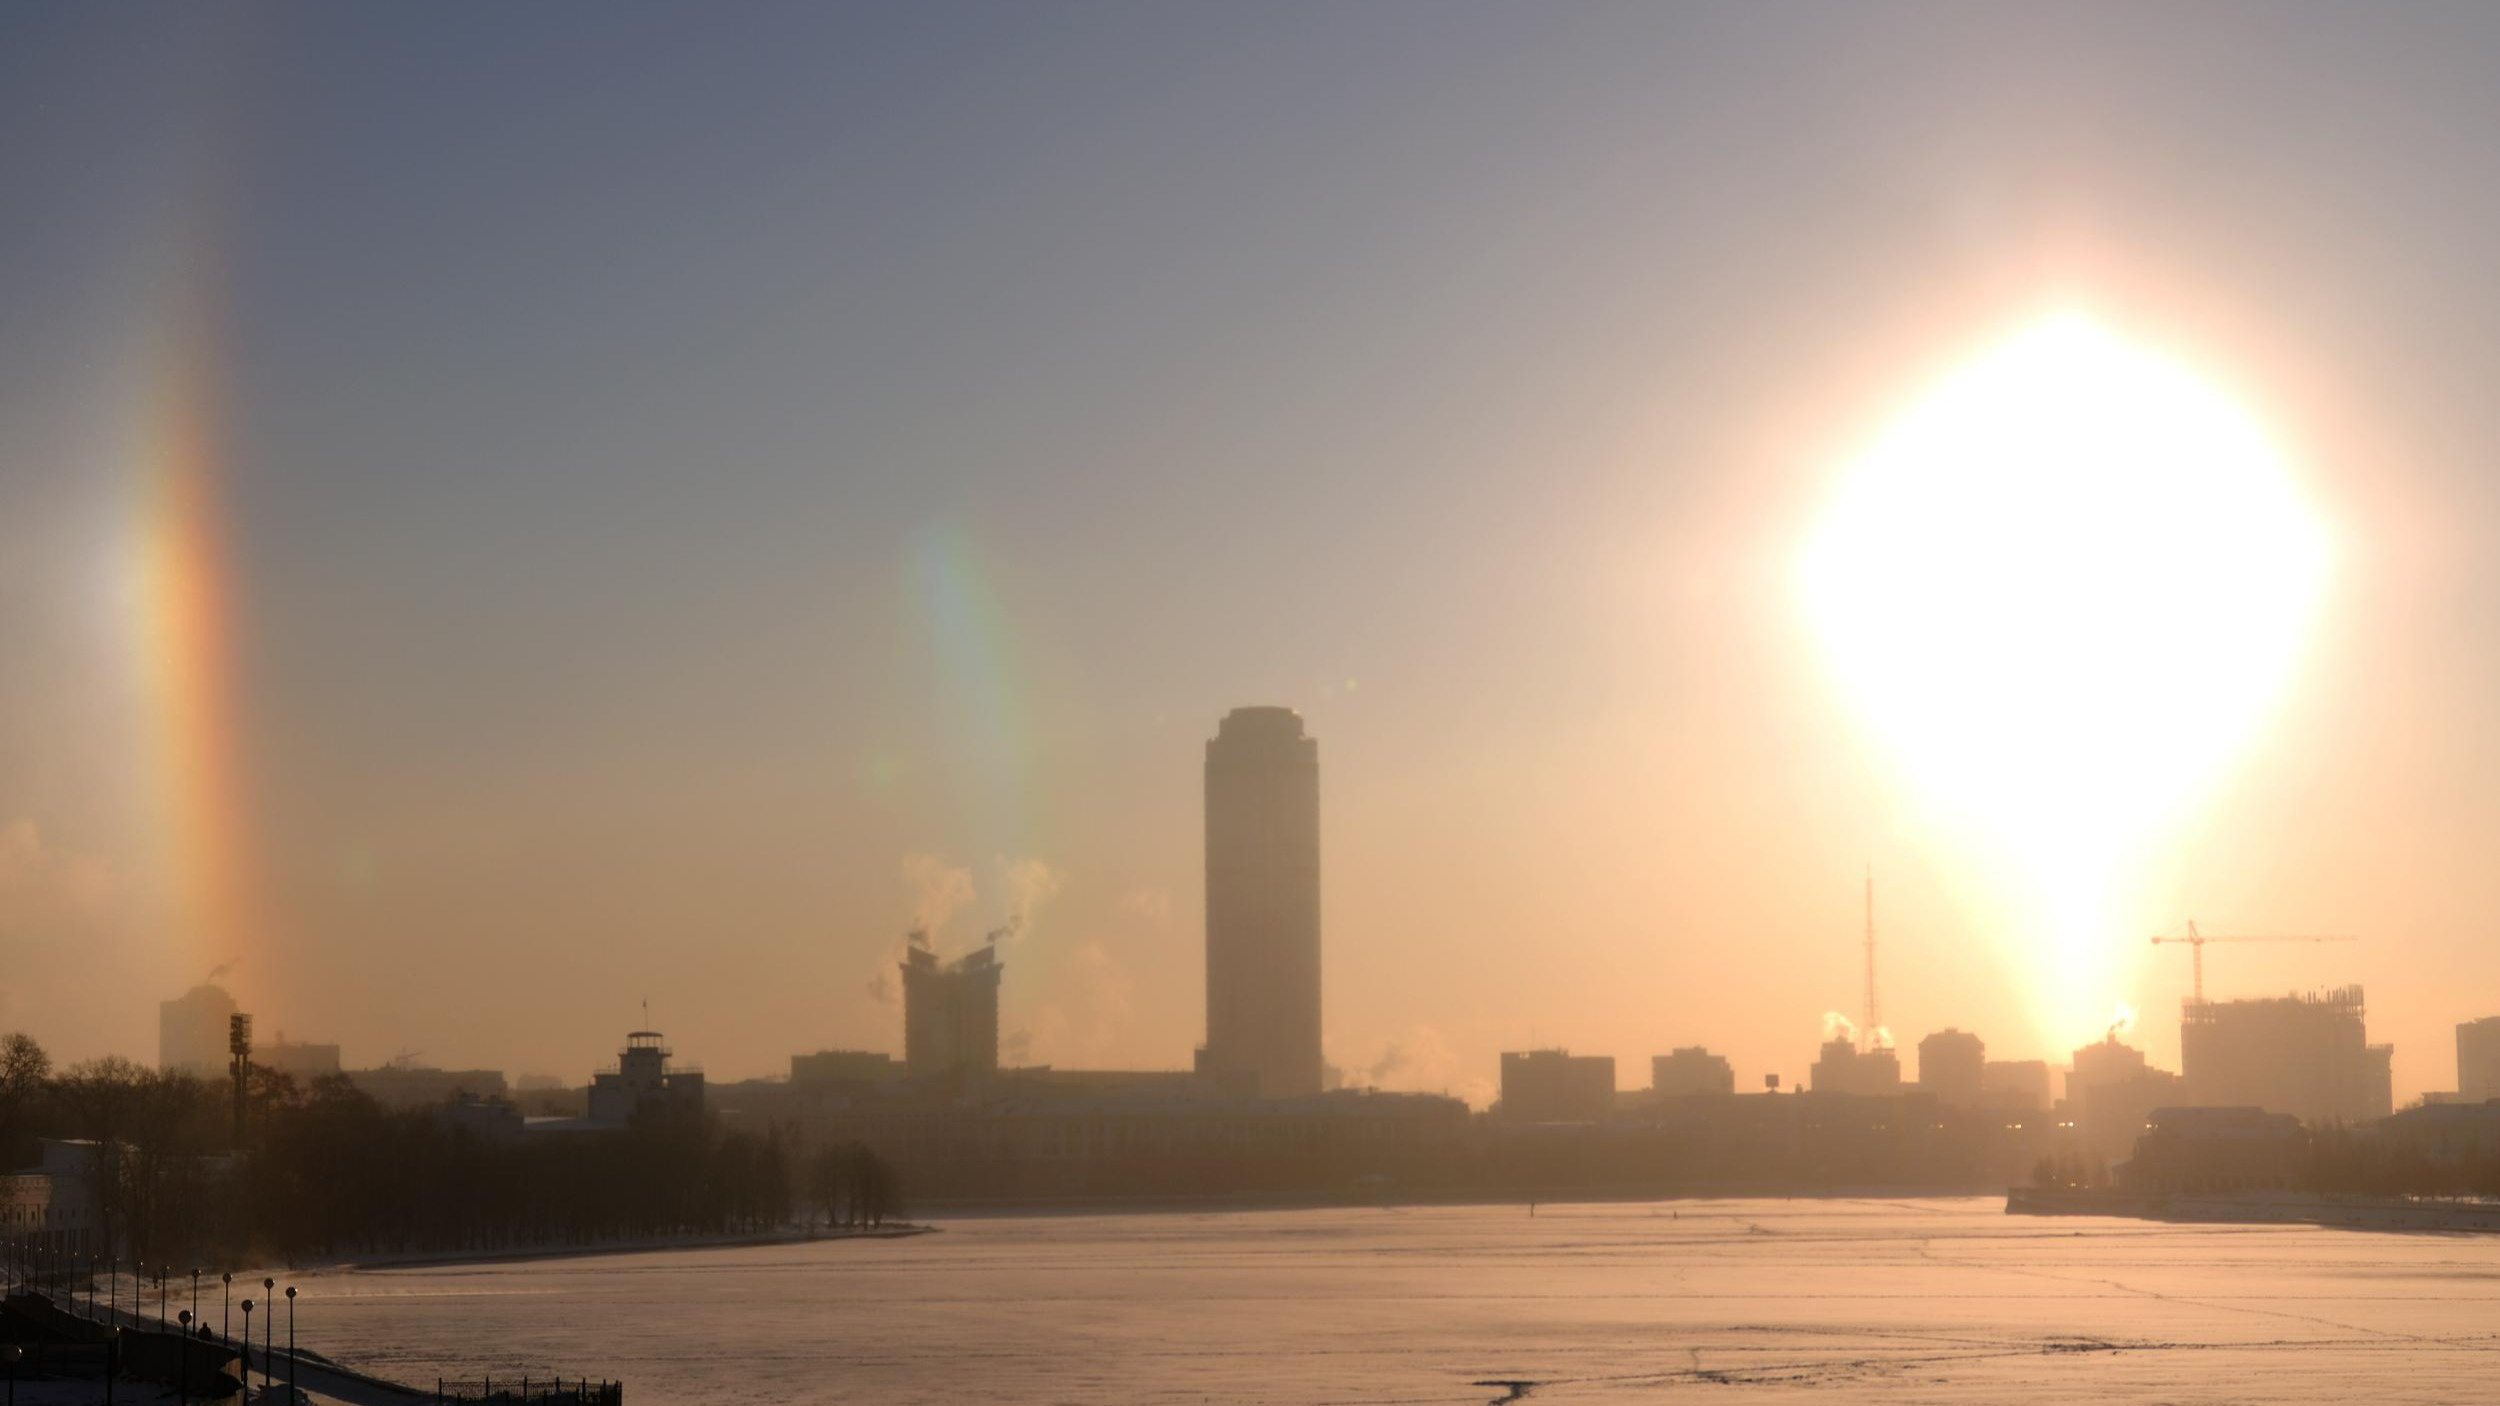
pixel 2410 1213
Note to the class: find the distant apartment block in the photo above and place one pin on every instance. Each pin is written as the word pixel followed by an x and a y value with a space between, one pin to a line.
pixel 1557 1086
pixel 844 1067
pixel 1953 1065
pixel 2478 1059
pixel 301 1062
pixel 2111 1094
pixel 1842 1068
pixel 2016 1085
pixel 191 1032
pixel 2308 1056
pixel 1692 1070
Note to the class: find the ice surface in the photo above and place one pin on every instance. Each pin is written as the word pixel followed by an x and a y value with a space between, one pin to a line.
pixel 1897 1301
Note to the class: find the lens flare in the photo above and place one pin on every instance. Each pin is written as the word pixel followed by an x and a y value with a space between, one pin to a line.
pixel 2061 592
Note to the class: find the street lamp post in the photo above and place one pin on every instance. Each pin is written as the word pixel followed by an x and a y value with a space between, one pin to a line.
pixel 226 1329
pixel 247 1345
pixel 184 1385
pixel 290 1342
pixel 195 1294
pixel 268 1332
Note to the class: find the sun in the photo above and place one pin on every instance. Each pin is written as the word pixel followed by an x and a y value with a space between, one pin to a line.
pixel 2062 591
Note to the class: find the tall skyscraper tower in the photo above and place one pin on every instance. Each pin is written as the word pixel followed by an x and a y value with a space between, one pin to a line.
pixel 1263 903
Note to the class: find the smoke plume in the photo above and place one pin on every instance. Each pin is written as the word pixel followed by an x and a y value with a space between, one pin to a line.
pixel 1029 883
pixel 937 890
pixel 1838 1027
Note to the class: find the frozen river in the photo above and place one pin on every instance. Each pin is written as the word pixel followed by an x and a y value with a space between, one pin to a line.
pixel 1941 1300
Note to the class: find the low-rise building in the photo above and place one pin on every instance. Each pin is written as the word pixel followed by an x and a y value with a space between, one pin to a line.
pixel 2215 1150
pixel 1196 1141
pixel 644 1082
pixel 844 1067
pixel 52 1205
pixel 417 1086
pixel 490 1118
pixel 2446 1133
pixel 301 1062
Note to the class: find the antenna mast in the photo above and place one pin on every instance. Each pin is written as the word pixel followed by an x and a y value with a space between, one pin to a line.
pixel 1874 1019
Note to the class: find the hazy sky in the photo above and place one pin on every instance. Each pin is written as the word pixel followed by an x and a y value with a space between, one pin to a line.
pixel 633 478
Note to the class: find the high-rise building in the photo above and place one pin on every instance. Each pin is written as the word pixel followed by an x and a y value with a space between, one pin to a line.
pixel 191 1032
pixel 950 1012
pixel 2478 1059
pixel 1263 997
pixel 2303 1055
pixel 1952 1065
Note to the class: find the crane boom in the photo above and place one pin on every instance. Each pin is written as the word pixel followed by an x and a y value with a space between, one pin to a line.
pixel 2196 941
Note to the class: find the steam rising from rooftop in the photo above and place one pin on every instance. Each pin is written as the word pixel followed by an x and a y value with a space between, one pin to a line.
pixel 938 889
pixel 2121 1022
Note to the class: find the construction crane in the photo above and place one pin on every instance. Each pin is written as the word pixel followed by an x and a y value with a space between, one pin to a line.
pixel 2196 946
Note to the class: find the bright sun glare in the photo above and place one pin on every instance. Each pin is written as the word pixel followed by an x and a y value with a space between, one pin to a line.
pixel 2062 590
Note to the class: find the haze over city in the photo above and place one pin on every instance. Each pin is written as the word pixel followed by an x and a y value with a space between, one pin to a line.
pixel 500 525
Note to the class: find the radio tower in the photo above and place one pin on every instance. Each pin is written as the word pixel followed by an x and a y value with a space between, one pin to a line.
pixel 1874 1020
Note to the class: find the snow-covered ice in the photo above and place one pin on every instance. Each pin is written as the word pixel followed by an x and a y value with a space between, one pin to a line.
pixel 1907 1301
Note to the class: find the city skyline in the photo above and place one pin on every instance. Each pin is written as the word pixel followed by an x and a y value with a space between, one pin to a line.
pixel 1245 746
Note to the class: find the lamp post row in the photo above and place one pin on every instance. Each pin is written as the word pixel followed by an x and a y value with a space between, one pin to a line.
pixel 21 1261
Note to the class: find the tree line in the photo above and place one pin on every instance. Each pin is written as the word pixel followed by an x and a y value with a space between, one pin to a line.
pixel 324 1170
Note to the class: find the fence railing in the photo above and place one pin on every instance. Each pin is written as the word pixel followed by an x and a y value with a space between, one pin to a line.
pixel 522 1391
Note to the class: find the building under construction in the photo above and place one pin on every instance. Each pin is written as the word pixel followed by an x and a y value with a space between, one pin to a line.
pixel 2306 1055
